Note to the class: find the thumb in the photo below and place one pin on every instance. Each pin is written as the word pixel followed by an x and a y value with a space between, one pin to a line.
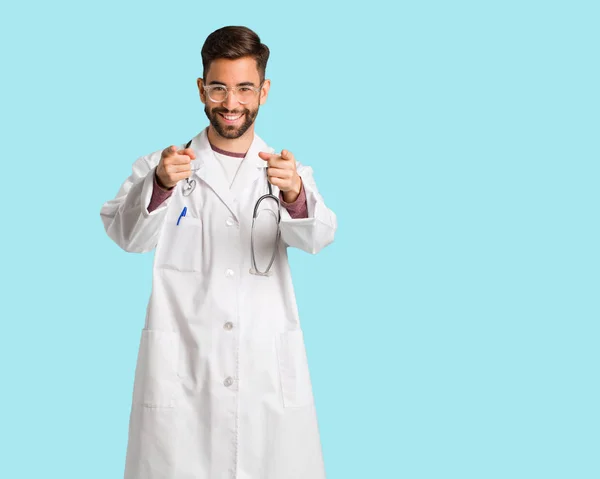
pixel 188 152
pixel 264 155
pixel 287 155
pixel 169 151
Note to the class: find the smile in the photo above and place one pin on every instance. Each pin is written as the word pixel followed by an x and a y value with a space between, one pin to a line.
pixel 231 118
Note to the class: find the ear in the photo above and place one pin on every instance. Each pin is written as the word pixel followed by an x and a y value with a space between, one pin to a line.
pixel 200 83
pixel 264 91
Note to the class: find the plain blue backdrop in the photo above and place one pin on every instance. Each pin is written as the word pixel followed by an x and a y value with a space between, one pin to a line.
pixel 452 327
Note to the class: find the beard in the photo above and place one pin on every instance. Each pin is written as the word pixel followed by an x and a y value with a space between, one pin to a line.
pixel 230 132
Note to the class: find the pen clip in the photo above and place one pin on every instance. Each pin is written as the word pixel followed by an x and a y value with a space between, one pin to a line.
pixel 183 212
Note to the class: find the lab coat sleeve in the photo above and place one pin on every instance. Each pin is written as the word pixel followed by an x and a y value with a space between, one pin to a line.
pixel 126 218
pixel 310 234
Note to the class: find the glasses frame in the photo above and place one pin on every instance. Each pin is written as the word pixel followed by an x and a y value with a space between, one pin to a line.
pixel 234 89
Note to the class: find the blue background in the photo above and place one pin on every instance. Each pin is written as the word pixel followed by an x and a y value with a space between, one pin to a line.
pixel 452 327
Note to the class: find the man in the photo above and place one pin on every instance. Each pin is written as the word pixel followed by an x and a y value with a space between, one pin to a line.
pixel 222 387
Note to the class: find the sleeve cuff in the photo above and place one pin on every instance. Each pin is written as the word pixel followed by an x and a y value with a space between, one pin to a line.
pixel 159 195
pixel 299 208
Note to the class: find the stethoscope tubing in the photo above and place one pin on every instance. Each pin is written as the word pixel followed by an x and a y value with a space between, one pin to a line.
pixel 189 187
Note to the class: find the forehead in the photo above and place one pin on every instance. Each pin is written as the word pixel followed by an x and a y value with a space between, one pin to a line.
pixel 232 72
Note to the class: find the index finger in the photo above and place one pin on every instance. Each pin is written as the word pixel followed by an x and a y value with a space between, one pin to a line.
pixel 267 156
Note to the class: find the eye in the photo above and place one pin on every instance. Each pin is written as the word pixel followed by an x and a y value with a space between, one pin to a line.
pixel 218 89
pixel 245 89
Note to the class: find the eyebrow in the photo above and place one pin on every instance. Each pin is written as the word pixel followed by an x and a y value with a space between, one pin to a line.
pixel 246 83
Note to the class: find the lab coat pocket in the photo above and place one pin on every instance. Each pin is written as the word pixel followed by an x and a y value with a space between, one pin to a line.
pixel 156 371
pixel 293 369
pixel 180 246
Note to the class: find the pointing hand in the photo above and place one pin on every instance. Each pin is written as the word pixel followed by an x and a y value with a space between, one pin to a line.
pixel 281 172
pixel 174 165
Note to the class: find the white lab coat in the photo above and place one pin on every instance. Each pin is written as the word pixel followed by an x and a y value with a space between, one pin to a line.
pixel 222 386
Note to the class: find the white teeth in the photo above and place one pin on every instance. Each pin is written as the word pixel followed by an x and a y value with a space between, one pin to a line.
pixel 231 118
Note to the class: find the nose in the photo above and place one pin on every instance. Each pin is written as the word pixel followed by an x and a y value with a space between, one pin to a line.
pixel 231 102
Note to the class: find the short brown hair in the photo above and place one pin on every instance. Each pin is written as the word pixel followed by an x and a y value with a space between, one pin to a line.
pixel 233 43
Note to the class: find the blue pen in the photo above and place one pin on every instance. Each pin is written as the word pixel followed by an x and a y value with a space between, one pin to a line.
pixel 183 212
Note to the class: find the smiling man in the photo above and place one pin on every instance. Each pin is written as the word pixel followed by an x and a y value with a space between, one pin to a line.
pixel 222 387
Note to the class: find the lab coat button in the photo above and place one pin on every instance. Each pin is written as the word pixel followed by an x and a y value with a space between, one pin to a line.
pixel 229 222
pixel 228 326
pixel 228 382
pixel 229 273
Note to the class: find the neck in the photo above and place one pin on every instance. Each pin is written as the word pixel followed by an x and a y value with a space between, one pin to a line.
pixel 235 145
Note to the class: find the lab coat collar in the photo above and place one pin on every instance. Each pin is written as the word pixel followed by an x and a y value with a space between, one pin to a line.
pixel 209 171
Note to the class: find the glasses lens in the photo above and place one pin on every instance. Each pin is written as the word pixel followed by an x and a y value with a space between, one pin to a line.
pixel 217 94
pixel 245 94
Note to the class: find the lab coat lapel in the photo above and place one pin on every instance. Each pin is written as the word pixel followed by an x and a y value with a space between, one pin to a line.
pixel 251 168
pixel 210 172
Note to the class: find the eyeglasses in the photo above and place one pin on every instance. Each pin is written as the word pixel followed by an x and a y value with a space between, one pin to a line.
pixel 244 94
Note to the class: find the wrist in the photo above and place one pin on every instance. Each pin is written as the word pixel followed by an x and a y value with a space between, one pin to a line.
pixel 292 195
pixel 159 183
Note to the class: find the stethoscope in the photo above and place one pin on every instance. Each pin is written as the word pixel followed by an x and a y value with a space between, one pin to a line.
pixel 190 185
